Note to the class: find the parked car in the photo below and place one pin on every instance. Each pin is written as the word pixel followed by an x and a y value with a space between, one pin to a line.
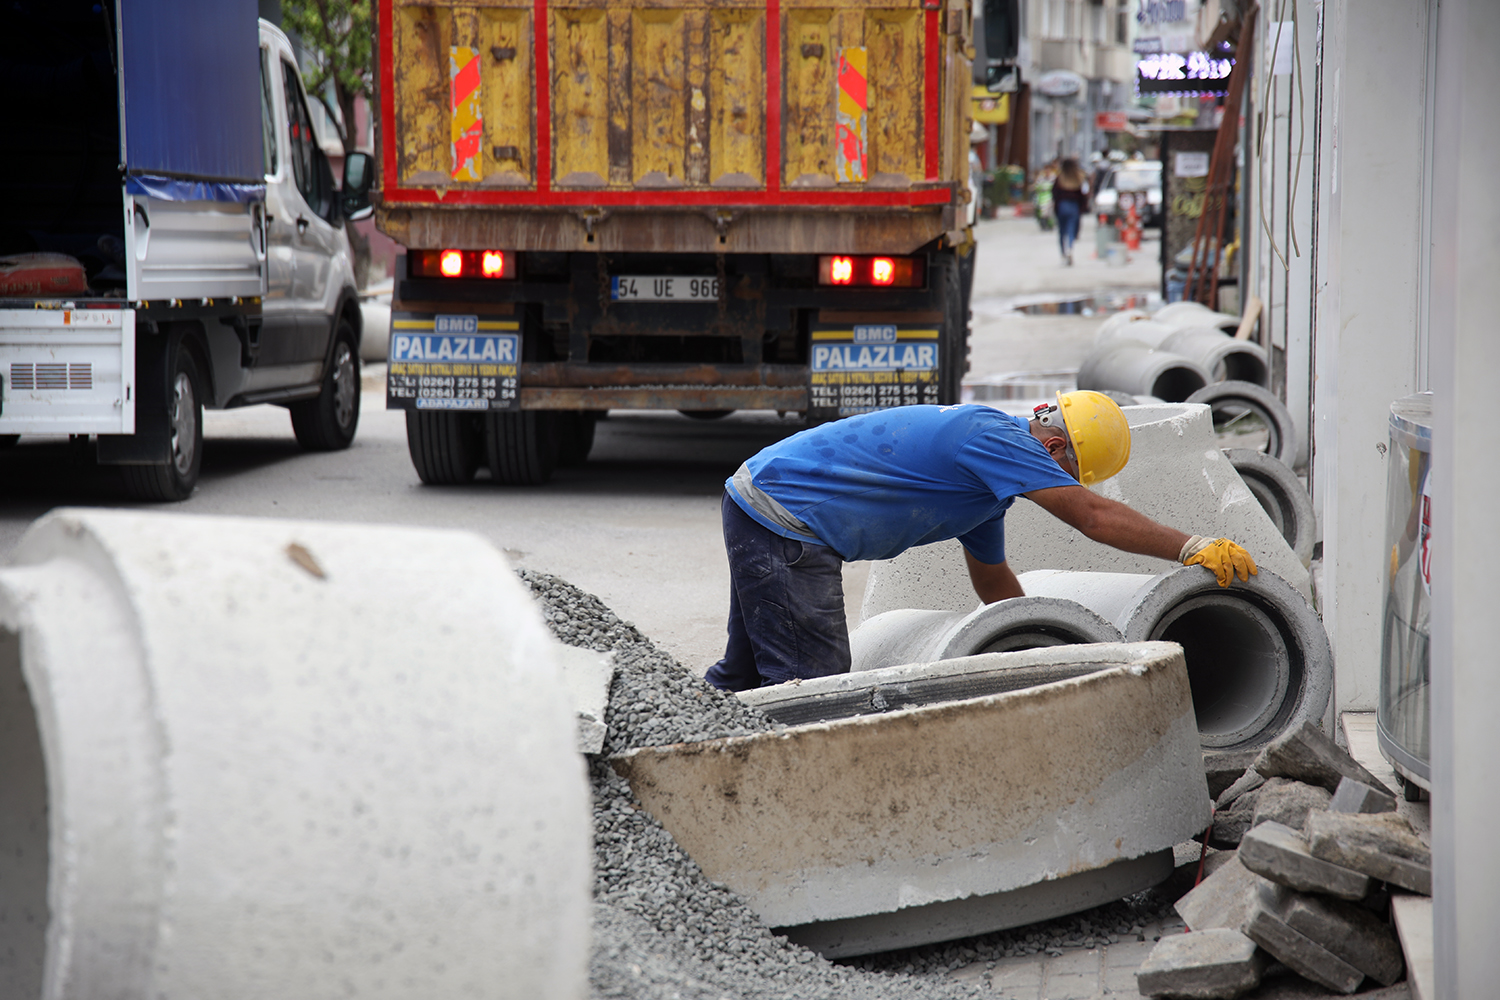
pixel 1139 180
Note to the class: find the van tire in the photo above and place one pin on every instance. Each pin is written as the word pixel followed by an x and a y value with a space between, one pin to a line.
pixel 521 446
pixel 328 422
pixel 174 479
pixel 444 446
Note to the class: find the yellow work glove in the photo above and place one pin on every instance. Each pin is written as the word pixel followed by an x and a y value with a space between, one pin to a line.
pixel 1224 558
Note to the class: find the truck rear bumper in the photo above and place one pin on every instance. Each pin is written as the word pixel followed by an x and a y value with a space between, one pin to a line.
pixel 572 386
pixel 67 371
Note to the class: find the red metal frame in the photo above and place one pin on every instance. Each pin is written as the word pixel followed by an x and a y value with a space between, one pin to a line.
pixel 544 194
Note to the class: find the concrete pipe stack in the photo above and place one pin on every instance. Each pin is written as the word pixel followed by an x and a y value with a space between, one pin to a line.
pixel 1169 356
pixel 252 758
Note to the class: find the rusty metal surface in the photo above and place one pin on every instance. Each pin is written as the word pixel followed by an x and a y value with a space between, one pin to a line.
pixel 684 231
pixel 653 95
pixel 568 375
pixel 665 397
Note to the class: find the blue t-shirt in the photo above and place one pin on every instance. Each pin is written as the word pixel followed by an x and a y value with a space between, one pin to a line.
pixel 874 485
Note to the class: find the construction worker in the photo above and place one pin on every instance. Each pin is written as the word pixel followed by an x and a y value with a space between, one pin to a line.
pixel 874 485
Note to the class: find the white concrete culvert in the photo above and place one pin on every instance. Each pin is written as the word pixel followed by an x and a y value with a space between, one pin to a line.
pixel 255 758
pixel 945 813
pixel 1195 314
pixel 665 931
pixel 1139 330
pixel 1233 402
pixel 1258 657
pixel 1224 358
pixel 916 636
pixel 1282 496
pixel 1141 371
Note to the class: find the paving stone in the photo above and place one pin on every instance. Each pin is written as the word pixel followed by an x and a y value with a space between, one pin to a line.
pixel 1202 965
pixel 1230 824
pixel 1352 933
pixel 1308 754
pixel 1299 952
pixel 1287 801
pixel 1380 845
pixel 1224 768
pixel 1225 899
pixel 1354 796
pixel 1246 782
pixel 1281 854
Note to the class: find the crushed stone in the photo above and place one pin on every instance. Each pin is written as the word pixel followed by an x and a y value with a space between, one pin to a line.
pixel 664 931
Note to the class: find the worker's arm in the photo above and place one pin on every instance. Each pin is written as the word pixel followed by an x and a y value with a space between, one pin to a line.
pixel 992 581
pixel 1110 522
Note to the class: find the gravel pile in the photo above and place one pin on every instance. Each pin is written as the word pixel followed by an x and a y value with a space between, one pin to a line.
pixel 662 931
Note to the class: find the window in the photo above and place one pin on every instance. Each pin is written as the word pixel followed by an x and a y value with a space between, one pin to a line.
pixel 303 150
pixel 267 116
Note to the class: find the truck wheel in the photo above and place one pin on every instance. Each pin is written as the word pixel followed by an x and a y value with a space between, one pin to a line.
pixel 575 437
pixel 444 446
pixel 521 446
pixel 175 478
pixel 328 422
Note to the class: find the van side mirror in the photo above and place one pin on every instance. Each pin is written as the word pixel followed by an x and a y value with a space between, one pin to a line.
pixel 359 176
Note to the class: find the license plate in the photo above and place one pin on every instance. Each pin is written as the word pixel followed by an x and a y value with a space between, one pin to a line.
pixel 669 288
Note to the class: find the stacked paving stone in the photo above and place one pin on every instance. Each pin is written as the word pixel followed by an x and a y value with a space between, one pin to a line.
pixel 1320 849
pixel 662 931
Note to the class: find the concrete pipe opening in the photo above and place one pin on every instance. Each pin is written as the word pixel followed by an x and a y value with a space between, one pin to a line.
pixel 914 636
pixel 1237 665
pixel 24 857
pixel 1175 383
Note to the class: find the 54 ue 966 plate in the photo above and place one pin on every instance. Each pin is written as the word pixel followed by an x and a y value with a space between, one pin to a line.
pixel 663 288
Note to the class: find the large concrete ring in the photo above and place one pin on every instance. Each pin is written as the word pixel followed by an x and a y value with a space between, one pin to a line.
pixel 247 758
pixel 1141 371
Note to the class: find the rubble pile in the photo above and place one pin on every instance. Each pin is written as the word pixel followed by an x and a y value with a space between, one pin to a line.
pixel 1310 884
pixel 662 931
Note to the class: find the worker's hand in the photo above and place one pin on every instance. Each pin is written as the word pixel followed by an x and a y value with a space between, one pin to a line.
pixel 1224 558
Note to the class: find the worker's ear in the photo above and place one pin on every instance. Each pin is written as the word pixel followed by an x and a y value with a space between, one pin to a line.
pixel 1056 445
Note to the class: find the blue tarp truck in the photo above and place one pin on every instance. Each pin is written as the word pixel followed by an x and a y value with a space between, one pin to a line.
pixel 143 274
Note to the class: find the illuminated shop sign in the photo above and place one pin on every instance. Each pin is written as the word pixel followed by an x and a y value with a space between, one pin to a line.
pixel 1182 73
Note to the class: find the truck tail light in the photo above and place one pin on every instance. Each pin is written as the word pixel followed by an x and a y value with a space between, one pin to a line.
pixel 879 272
pixel 461 264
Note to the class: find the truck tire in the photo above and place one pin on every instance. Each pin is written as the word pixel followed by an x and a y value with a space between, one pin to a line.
pixel 953 356
pixel 328 422
pixel 575 437
pixel 174 479
pixel 444 446
pixel 521 446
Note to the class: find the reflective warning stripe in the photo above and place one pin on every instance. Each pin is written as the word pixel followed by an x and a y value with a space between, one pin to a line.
pixel 467 121
pixel 854 106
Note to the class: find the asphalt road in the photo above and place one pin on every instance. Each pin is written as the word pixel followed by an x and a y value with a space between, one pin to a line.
pixel 638 525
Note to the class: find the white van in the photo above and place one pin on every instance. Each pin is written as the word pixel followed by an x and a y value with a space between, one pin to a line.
pixel 171 244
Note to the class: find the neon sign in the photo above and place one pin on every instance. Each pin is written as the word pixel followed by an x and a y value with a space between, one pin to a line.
pixel 1179 73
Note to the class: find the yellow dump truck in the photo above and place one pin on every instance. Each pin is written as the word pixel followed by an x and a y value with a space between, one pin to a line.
pixel 702 205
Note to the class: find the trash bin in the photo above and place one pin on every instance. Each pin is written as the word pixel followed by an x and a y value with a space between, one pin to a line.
pixel 1405 681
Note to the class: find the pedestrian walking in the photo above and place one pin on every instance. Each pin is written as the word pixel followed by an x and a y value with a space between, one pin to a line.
pixel 874 485
pixel 1041 193
pixel 1070 196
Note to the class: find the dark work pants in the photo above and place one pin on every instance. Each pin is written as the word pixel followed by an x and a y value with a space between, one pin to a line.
pixel 786 607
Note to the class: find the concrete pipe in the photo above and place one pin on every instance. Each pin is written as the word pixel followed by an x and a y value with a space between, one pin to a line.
pixel 1125 317
pixel 1238 407
pixel 1281 495
pixel 1143 331
pixel 1184 315
pixel 251 758
pixel 1258 657
pixel 1223 357
pixel 1138 370
pixel 912 636
pixel 925 812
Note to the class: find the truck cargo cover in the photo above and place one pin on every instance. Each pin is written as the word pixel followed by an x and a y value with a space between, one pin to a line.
pixel 190 74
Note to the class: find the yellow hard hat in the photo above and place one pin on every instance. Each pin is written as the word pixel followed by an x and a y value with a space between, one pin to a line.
pixel 1098 433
